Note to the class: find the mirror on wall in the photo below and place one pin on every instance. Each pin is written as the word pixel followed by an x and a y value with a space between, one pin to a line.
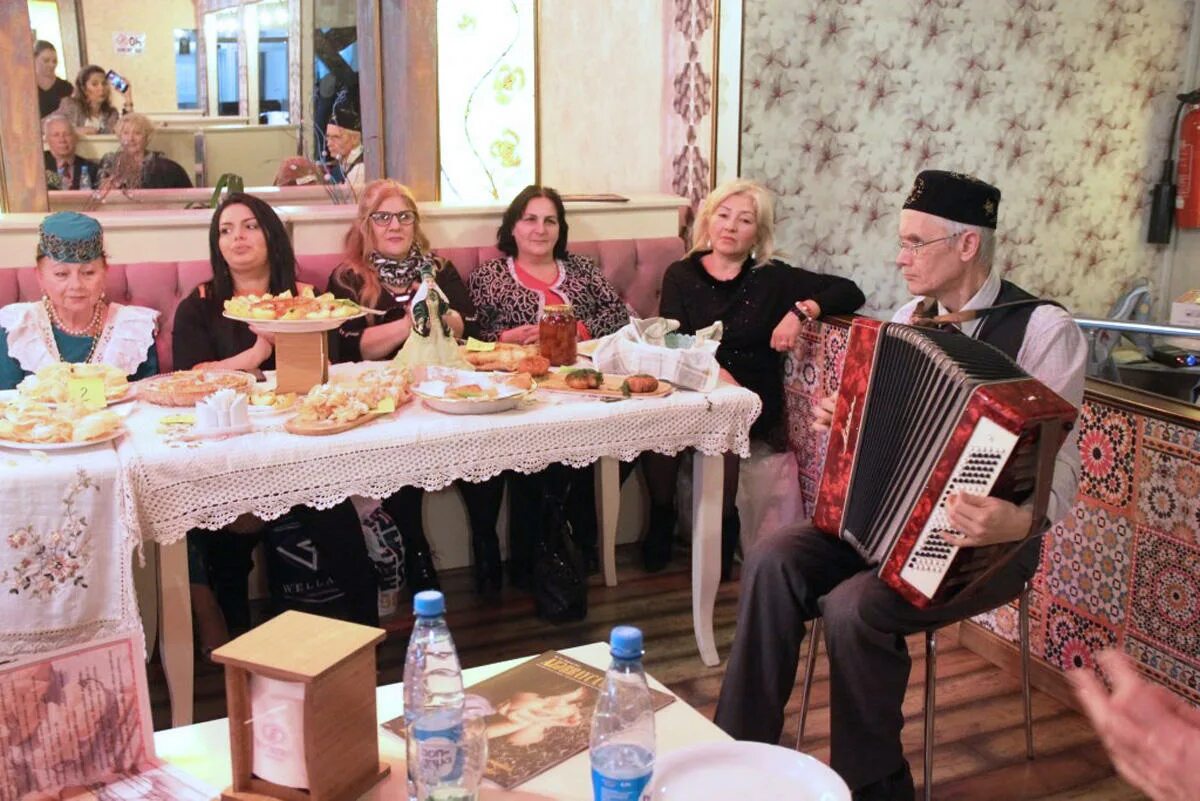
pixel 227 86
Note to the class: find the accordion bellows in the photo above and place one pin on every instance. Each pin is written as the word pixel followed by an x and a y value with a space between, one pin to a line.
pixel 923 413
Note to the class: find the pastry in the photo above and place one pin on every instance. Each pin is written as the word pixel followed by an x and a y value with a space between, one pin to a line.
pixel 584 379
pixel 49 384
pixel 536 366
pixel 188 387
pixel 24 420
pixel 640 384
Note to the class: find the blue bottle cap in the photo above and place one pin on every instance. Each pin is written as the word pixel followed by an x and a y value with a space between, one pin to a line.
pixel 626 642
pixel 429 603
pixel 1191 360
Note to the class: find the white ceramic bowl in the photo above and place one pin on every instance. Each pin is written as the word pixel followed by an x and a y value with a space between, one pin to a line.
pixel 743 771
pixel 471 405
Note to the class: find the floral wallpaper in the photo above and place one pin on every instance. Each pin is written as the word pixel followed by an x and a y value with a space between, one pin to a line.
pixel 689 98
pixel 1064 105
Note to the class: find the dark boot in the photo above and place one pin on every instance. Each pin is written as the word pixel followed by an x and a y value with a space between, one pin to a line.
pixel 485 567
pixel 731 535
pixel 483 505
pixel 656 545
pixel 405 509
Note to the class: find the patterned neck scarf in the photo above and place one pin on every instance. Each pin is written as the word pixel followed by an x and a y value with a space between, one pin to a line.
pixel 403 273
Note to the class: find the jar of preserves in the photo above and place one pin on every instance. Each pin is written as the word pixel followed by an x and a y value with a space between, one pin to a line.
pixel 556 334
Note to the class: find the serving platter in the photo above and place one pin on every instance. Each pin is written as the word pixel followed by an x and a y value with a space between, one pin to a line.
pixel 440 403
pixel 609 388
pixel 294 425
pixel 61 446
pixel 295 326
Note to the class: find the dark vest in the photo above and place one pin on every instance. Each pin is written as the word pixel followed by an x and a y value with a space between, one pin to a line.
pixel 1004 329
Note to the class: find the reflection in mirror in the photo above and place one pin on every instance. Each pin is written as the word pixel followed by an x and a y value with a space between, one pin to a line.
pixel 229 86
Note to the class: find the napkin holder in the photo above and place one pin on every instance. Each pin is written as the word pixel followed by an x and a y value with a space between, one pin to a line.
pixel 333 663
pixel 301 361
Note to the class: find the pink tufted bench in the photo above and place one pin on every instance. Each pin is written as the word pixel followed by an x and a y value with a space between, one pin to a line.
pixel 634 266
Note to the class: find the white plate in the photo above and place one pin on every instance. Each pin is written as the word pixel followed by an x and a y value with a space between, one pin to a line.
pixel 60 446
pixel 296 326
pixel 472 405
pixel 10 395
pixel 721 771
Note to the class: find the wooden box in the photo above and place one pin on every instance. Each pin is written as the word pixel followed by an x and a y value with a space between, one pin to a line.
pixel 301 361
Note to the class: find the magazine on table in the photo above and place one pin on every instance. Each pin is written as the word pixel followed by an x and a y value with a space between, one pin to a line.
pixel 75 723
pixel 538 715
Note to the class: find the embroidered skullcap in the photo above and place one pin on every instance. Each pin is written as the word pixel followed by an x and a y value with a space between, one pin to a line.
pixel 955 196
pixel 346 112
pixel 71 238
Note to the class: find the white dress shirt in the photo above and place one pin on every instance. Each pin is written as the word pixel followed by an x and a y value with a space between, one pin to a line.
pixel 1054 352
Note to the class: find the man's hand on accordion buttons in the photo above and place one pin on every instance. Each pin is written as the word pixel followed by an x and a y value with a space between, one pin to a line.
pixel 984 520
pixel 823 413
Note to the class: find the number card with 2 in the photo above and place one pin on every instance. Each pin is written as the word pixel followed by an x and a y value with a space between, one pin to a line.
pixel 87 391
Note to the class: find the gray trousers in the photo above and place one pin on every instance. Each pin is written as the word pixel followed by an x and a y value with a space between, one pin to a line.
pixel 798 574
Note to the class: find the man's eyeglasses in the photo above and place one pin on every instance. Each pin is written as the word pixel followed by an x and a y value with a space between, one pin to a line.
pixel 913 248
pixel 384 218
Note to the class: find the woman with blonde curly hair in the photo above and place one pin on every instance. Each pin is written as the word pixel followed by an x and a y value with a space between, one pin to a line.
pixel 385 251
pixel 731 274
pixel 135 165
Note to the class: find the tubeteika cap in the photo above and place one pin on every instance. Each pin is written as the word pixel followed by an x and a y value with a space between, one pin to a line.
pixel 955 196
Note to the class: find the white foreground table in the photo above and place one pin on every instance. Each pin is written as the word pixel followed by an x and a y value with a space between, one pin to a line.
pixel 203 749
pixel 171 487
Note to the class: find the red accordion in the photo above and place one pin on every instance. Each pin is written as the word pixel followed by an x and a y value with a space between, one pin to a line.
pixel 922 413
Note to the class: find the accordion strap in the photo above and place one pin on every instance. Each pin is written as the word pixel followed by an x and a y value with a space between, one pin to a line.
pixel 925 314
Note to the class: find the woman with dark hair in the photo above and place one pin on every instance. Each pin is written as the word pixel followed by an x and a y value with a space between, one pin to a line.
pixel 509 293
pixel 51 88
pixel 251 254
pixel 90 108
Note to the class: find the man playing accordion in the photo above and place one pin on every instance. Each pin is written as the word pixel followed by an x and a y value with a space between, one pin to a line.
pixel 946 246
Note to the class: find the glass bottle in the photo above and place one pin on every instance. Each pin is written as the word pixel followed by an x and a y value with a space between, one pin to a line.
pixel 557 335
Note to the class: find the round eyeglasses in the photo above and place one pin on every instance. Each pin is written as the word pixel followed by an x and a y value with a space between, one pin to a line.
pixel 913 248
pixel 384 218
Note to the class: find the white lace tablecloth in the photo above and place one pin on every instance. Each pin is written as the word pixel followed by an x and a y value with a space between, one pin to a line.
pixel 66 571
pixel 170 487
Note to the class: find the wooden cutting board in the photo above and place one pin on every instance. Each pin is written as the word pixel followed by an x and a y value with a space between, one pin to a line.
pixel 611 388
pixel 294 425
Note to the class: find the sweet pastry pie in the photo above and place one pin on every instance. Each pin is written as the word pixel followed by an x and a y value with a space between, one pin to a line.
pixel 505 358
pixel 187 387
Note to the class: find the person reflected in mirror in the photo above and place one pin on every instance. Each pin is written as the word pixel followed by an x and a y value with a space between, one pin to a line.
pixel 1151 734
pixel 343 136
pixel 51 88
pixel 90 108
pixel 135 165
pixel 65 169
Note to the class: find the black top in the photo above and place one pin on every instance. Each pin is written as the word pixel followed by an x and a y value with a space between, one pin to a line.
pixel 750 305
pixel 158 172
pixel 393 301
pixel 49 99
pixel 77 166
pixel 202 334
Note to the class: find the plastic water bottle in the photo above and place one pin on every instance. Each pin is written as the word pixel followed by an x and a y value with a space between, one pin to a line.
pixel 622 746
pixel 433 694
pixel 85 178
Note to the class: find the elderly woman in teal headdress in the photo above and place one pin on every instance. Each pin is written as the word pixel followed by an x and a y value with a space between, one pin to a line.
pixel 74 321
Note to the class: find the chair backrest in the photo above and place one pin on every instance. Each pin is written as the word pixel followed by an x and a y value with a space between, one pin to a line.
pixel 634 266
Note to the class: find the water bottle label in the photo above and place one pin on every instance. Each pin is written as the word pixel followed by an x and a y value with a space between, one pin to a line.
pixel 438 753
pixel 608 788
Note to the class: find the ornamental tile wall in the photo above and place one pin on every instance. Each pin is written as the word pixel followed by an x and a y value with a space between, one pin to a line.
pixel 1064 104
pixel 1121 570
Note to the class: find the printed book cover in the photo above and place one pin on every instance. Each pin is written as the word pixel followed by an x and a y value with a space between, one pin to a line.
pixel 538 714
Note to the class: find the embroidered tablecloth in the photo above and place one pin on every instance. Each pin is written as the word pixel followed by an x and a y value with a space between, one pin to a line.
pixel 65 556
pixel 172 486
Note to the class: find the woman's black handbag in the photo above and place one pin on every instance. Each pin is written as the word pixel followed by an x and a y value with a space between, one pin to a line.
pixel 559 576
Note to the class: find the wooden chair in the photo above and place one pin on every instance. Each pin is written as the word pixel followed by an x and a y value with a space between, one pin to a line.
pixel 930 688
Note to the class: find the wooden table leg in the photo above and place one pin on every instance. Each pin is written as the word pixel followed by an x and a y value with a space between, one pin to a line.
pixel 608 509
pixel 175 630
pixel 708 474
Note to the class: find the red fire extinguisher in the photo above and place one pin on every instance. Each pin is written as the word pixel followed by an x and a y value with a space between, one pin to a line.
pixel 1187 196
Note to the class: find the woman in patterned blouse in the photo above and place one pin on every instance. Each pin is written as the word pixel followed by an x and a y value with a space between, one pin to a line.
pixel 509 294
pixel 536 269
